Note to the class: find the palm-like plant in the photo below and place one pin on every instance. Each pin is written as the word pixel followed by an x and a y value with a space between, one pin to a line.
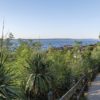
pixel 7 91
pixel 6 75
pixel 40 78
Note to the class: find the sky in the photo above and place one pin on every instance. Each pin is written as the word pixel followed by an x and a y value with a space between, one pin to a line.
pixel 51 18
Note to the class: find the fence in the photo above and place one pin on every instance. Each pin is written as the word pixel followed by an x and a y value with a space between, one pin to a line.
pixel 78 89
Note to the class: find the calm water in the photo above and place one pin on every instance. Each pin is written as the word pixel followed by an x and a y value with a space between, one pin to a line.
pixel 60 42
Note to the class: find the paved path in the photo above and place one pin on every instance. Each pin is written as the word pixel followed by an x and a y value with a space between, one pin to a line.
pixel 94 90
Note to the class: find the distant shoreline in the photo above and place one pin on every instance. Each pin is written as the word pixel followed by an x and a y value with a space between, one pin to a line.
pixel 57 39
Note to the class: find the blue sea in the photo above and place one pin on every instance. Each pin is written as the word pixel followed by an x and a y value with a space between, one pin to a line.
pixel 60 42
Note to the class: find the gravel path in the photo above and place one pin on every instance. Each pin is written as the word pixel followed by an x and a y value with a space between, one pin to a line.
pixel 94 90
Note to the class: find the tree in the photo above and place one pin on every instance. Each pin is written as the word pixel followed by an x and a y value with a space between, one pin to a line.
pixel 99 35
pixel 9 43
pixel 77 43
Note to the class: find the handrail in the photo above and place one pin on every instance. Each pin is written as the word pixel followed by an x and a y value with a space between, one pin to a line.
pixel 73 90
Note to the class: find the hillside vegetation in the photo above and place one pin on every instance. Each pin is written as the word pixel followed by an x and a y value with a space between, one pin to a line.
pixel 30 73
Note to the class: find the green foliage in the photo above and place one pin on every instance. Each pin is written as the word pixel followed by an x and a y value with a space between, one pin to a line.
pixel 40 79
pixel 31 73
pixel 96 56
pixel 7 85
pixel 77 43
pixel 37 46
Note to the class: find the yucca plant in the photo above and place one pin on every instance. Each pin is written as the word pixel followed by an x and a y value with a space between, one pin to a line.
pixel 7 91
pixel 40 79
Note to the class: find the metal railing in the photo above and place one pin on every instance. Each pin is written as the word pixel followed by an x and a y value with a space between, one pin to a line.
pixel 78 89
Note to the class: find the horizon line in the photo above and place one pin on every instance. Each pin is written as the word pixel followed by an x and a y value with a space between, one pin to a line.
pixel 58 38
